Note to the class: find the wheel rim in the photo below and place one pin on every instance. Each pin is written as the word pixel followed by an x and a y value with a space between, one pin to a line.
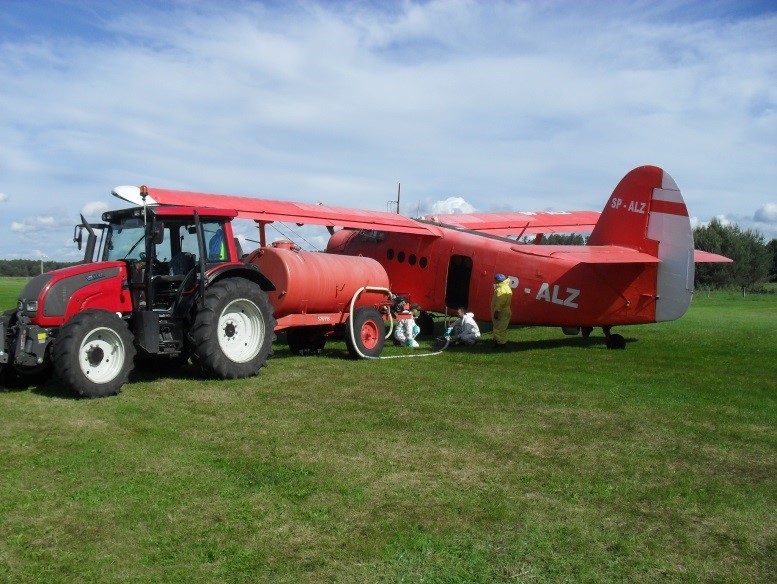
pixel 369 335
pixel 101 355
pixel 241 330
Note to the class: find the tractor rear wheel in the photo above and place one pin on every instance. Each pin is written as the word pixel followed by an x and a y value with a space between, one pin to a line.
pixel 369 333
pixel 232 335
pixel 93 353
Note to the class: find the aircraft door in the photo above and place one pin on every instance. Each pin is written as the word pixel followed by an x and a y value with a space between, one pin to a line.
pixel 457 284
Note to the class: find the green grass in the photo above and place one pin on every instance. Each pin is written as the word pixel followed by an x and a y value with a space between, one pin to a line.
pixel 556 460
pixel 9 291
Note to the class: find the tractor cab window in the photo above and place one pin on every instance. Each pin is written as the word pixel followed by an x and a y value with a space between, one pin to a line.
pixel 126 240
pixel 215 243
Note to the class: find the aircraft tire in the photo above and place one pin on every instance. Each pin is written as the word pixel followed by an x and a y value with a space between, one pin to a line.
pixel 369 333
pixel 232 334
pixel 93 353
pixel 426 323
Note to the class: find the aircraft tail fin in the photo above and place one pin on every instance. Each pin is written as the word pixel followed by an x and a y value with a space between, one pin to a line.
pixel 646 212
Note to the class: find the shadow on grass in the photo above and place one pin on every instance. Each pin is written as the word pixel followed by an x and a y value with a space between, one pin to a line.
pixel 155 370
pixel 486 346
pixel 48 388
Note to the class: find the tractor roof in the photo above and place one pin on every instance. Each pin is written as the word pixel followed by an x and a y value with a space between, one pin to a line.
pixel 170 213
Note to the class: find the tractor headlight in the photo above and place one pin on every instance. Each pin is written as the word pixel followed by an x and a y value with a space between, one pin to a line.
pixel 29 306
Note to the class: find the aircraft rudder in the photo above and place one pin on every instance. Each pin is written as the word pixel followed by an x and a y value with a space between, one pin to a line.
pixel 624 218
pixel 646 212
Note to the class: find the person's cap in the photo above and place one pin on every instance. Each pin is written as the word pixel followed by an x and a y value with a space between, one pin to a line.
pixel 415 307
pixel 500 277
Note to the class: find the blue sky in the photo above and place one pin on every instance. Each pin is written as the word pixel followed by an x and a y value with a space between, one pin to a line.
pixel 481 106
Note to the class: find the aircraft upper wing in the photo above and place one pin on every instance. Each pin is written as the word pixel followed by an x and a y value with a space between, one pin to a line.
pixel 268 210
pixel 522 223
pixel 588 254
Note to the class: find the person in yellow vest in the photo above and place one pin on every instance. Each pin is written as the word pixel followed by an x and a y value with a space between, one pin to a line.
pixel 500 309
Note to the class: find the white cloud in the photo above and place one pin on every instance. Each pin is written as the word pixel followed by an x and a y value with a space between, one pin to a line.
pixel 94 209
pixel 450 206
pixel 515 105
pixel 723 220
pixel 3 197
pixel 21 227
pixel 41 222
pixel 766 214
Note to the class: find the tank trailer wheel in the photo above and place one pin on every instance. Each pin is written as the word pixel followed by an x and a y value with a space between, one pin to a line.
pixel 94 353
pixel 232 335
pixel 306 340
pixel 369 333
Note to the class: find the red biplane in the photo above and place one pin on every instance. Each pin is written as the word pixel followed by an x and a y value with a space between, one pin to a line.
pixel 637 266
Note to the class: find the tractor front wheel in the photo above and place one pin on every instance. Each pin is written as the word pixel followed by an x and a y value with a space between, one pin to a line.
pixel 93 353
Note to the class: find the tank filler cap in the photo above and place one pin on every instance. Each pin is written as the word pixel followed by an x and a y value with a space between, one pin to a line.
pixel 284 244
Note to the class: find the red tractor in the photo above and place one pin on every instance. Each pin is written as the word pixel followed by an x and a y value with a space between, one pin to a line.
pixel 170 284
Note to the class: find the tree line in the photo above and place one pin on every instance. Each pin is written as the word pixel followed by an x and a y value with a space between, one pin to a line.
pixel 28 268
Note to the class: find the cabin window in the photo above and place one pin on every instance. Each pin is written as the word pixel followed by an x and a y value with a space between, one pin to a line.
pixel 390 254
pixel 412 259
pixel 423 263
pixel 401 257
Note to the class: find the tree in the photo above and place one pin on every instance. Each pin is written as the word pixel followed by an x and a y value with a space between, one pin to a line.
pixel 772 248
pixel 564 239
pixel 747 248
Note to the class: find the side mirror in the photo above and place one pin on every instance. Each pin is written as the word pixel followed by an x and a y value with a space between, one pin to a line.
pixel 78 235
pixel 159 233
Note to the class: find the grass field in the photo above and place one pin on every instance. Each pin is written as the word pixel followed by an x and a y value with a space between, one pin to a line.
pixel 556 460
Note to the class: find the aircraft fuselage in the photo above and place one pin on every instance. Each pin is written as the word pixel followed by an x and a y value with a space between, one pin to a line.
pixel 458 268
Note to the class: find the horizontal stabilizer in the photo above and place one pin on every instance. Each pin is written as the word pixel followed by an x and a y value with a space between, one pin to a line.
pixel 587 254
pixel 705 257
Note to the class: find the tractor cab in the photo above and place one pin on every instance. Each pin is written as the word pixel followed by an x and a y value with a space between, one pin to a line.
pixel 166 249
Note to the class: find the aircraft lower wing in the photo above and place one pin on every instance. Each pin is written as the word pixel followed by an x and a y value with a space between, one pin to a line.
pixel 522 223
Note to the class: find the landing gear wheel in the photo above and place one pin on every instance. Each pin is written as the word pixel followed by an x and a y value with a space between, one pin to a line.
pixel 425 322
pixel 369 333
pixel 93 353
pixel 586 331
pixel 616 341
pixel 306 340
pixel 232 335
